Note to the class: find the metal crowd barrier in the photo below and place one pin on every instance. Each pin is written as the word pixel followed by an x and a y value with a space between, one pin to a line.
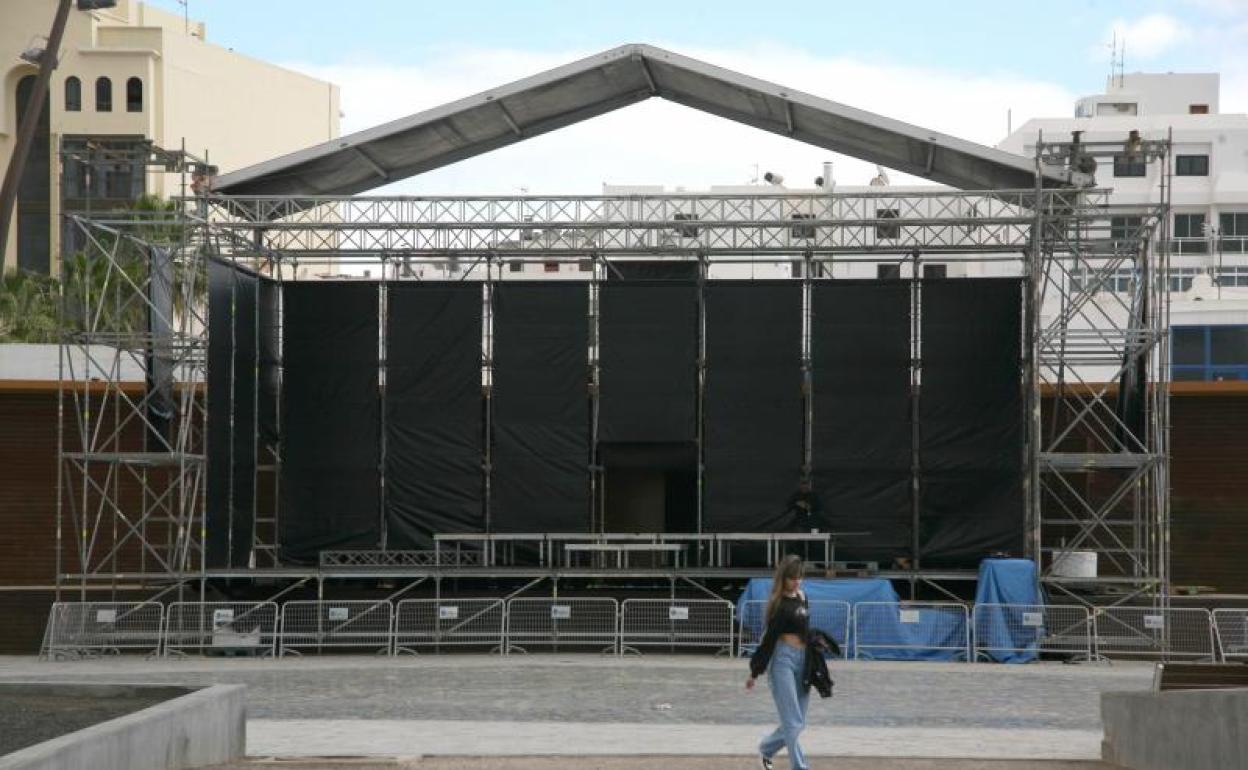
pixel 676 623
pixel 1151 632
pixel 77 629
pixel 330 624
pixel 828 615
pixel 434 624
pixel 221 627
pixel 892 630
pixel 1231 629
pixel 561 623
pixel 1003 630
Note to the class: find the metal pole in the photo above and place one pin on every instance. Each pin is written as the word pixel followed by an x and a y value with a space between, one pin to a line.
pixel 30 123
pixel 916 487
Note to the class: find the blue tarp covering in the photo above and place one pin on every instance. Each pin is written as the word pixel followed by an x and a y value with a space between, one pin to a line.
pixel 1008 634
pixel 930 636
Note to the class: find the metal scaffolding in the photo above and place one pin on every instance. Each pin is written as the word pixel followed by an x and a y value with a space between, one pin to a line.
pixel 1095 369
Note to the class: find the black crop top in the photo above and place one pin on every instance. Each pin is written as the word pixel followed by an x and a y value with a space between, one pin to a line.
pixel 792 616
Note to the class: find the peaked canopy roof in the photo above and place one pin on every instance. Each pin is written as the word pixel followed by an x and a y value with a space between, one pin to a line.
pixel 608 81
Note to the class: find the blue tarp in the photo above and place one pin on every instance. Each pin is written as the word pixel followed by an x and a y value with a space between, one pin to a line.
pixel 1008 634
pixel 887 633
pixel 851 591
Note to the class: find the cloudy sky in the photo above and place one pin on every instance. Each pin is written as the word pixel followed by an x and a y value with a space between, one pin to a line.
pixel 958 67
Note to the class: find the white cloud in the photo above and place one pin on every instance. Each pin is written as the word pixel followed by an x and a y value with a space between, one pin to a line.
pixel 1148 36
pixel 661 143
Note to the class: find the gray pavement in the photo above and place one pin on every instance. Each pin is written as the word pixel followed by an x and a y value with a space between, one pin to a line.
pixel 592 705
pixel 650 763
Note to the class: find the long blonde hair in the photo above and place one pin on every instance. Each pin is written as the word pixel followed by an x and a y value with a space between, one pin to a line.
pixel 788 568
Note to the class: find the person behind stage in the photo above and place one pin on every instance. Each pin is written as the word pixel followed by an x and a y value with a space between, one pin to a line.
pixel 791 652
pixel 806 509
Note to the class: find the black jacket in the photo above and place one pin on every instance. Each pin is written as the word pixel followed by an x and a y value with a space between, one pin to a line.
pixel 814 666
pixel 815 673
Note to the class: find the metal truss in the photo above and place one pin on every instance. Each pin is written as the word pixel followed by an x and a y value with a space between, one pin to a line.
pixel 751 225
pixel 1096 338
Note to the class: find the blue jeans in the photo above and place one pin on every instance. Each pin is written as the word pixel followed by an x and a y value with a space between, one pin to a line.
pixel 785 678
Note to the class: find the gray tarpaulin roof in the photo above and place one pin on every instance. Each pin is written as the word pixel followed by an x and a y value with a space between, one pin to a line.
pixel 606 82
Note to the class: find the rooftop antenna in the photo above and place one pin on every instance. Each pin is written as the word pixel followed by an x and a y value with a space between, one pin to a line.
pixel 186 15
pixel 1117 60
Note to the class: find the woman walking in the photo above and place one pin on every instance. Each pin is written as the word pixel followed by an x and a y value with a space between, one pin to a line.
pixel 794 652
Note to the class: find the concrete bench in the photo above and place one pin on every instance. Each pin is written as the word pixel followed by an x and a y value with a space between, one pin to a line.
pixel 1199 676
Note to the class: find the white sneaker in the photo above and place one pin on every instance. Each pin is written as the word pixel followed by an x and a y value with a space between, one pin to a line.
pixel 765 763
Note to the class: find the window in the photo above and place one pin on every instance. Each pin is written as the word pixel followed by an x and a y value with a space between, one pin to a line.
pixel 887 231
pixel 1187 345
pixel 888 271
pixel 585 265
pixel 800 232
pixel 1181 277
pixel 686 231
pixel 1129 165
pixel 1124 228
pixel 116 165
pixel 1191 165
pixel 1197 109
pixel 1117 108
pixel 1210 353
pixel 515 266
pixel 134 95
pixel 1233 223
pixel 1233 232
pixel 1233 276
pixel 103 95
pixel 1189 234
pixel 935 271
pixel 1228 345
pixel 73 94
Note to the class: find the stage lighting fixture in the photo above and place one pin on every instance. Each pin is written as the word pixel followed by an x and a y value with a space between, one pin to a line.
pixel 773 178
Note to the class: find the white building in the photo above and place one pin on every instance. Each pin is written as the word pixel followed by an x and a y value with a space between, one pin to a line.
pixel 1209 202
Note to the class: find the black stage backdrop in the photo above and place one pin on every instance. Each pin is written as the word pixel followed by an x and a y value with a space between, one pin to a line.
pixel 861 438
pixel 330 481
pixel 541 408
pixel 269 358
pixel 648 333
pixel 970 421
pixel 753 409
pixel 434 433
pixel 232 335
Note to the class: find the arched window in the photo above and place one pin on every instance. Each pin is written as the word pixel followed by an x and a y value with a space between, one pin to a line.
pixel 73 94
pixel 103 95
pixel 134 95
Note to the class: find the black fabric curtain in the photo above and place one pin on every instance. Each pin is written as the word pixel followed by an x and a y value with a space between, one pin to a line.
pixel 434 427
pixel 540 420
pixel 861 436
pixel 330 483
pixel 649 346
pixel 220 396
pixel 970 420
pixel 232 415
pixel 753 408
pixel 269 358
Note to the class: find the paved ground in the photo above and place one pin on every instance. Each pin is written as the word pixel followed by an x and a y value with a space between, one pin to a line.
pixel 652 762
pixel 660 705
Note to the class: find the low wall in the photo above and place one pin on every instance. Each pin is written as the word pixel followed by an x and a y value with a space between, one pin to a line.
pixel 1175 730
pixel 194 728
